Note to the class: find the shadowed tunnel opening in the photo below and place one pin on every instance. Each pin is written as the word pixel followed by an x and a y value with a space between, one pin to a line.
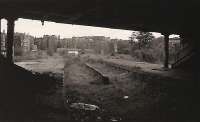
pixel 123 78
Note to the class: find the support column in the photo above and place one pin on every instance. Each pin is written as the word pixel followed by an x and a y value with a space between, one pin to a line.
pixel 182 41
pixel 10 39
pixel 166 50
pixel 0 36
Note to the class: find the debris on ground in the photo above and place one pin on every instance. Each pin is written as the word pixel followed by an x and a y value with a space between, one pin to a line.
pixel 126 97
pixel 99 118
pixel 84 106
pixel 113 119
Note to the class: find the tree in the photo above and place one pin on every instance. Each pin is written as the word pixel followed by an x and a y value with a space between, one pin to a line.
pixel 132 39
pixel 144 39
pixel 133 42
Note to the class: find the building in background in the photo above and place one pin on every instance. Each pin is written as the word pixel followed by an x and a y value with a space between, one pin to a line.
pixel 24 43
pixel 27 43
pixel 49 43
pixel 18 44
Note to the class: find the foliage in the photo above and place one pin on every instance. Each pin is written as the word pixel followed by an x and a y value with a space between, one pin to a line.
pixel 144 39
pixel 154 52
pixel 18 51
pixel 140 46
pixel 61 51
pixel 50 52
pixel 145 47
pixel 132 38
pixel 145 55
pixel 123 46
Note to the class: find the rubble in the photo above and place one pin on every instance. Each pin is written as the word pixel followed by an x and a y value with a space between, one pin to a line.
pixel 126 97
pixel 84 106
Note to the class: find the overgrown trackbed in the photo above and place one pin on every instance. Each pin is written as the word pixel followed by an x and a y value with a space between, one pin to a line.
pixel 125 98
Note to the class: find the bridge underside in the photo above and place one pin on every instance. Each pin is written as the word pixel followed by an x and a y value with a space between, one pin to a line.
pixel 165 16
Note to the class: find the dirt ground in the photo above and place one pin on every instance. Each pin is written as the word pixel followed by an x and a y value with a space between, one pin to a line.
pixel 129 96
pixel 113 99
pixel 126 98
pixel 54 64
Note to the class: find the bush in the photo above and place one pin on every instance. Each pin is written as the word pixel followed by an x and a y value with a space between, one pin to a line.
pixel 124 51
pixel 154 53
pixel 50 52
pixel 62 51
pixel 18 51
pixel 147 55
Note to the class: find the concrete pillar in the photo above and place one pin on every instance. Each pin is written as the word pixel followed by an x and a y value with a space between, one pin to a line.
pixel 182 41
pixel 196 72
pixel 10 39
pixel 115 46
pixel 166 50
pixel 0 36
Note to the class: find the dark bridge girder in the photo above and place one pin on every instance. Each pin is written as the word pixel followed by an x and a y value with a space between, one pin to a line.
pixel 171 16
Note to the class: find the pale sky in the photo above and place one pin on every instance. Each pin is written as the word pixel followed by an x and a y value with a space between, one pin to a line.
pixel 35 28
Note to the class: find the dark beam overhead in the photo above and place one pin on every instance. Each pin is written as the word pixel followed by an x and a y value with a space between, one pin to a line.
pixel 165 16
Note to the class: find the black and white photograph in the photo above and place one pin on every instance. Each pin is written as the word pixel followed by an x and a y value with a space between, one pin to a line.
pixel 99 61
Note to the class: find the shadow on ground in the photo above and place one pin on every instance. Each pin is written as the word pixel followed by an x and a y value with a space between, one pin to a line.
pixel 131 96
